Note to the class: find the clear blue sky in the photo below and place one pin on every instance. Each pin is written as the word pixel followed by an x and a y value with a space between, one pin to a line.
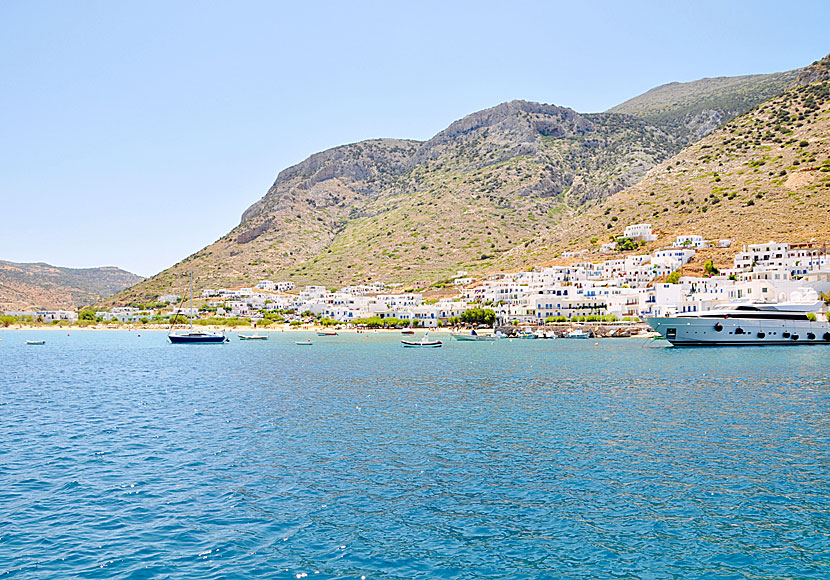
pixel 135 133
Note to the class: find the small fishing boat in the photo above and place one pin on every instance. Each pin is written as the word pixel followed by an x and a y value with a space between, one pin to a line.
pixel 35 342
pixel 425 342
pixel 326 333
pixel 576 333
pixel 407 331
pixel 253 337
pixel 306 342
pixel 473 337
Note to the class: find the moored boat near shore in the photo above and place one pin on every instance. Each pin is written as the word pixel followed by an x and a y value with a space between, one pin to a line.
pixel 191 336
pixel 576 333
pixel 425 342
pixel 743 324
pixel 473 337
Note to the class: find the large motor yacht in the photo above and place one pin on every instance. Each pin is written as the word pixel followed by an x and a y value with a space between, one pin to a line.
pixel 747 324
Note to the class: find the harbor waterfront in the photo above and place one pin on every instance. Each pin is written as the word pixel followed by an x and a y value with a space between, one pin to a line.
pixel 124 456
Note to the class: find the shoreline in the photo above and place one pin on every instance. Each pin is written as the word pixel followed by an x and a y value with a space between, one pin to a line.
pixel 638 330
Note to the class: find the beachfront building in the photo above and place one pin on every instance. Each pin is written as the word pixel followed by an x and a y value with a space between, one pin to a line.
pixel 189 312
pixel 660 299
pixel 45 315
pixel 569 304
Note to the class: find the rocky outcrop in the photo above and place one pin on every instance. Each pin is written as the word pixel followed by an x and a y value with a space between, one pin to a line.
pixel 366 168
pixel 818 71
pixel 515 127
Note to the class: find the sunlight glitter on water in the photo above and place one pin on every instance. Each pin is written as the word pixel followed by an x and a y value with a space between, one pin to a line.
pixel 357 458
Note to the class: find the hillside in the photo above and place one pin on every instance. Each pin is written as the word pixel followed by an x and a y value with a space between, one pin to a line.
pixel 692 110
pixel 44 287
pixel 764 176
pixel 502 188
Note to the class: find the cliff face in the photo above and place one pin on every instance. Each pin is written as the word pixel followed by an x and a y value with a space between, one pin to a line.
pixel 367 169
pixel 492 190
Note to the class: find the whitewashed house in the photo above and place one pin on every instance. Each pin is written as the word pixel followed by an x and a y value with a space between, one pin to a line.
pixel 639 233
pixel 691 241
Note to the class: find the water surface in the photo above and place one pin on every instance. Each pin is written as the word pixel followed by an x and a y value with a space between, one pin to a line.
pixel 122 456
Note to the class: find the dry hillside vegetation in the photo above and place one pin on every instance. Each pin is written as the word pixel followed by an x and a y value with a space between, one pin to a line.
pixel 516 185
pixel 764 176
pixel 45 287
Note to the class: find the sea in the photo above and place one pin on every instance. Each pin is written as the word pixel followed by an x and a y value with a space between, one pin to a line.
pixel 125 457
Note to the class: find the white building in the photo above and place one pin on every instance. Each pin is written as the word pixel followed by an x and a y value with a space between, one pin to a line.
pixel 752 254
pixel 693 241
pixel 681 256
pixel 639 233
pixel 50 315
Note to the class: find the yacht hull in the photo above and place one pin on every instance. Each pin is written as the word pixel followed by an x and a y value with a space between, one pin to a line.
pixel 711 331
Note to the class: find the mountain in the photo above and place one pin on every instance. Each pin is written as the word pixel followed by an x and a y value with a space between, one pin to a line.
pixel 44 287
pixel 692 110
pixel 495 190
pixel 763 176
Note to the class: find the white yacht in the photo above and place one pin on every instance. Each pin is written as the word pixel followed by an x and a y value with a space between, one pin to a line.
pixel 747 324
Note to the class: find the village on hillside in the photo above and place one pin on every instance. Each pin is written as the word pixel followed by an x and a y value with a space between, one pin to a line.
pixel 630 288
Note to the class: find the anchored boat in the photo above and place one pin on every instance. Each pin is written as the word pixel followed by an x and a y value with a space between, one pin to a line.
pixel 473 337
pixel 425 342
pixel 736 324
pixel 191 336
pixel 576 333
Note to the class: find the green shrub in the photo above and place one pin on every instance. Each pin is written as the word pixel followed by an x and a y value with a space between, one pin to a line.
pixel 479 316
pixel 710 269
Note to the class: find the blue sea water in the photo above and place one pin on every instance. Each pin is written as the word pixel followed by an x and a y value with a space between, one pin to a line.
pixel 122 456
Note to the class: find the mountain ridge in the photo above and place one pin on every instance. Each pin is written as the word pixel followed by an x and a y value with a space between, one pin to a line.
pixel 42 286
pixel 479 195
